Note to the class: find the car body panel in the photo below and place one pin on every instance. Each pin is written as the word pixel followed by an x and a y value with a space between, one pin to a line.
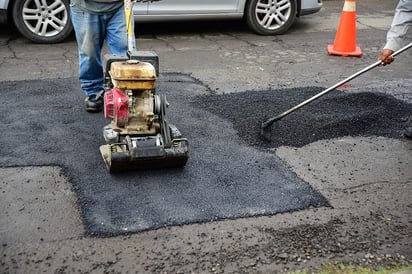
pixel 4 4
pixel 3 11
pixel 183 10
pixel 175 10
pixel 310 6
pixel 194 7
pixel 140 9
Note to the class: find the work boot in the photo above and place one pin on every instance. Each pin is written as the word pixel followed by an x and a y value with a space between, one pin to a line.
pixel 408 132
pixel 94 103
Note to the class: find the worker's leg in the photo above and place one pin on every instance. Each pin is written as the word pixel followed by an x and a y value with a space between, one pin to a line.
pixel 90 35
pixel 116 33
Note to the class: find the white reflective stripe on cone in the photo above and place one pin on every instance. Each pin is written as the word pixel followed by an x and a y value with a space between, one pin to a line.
pixel 349 6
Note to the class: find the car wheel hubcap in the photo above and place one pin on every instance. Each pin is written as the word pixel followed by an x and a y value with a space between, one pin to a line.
pixel 45 17
pixel 272 14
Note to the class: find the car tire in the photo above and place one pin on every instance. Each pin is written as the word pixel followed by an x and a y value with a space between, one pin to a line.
pixel 270 17
pixel 43 24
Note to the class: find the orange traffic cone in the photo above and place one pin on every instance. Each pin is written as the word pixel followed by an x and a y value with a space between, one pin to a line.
pixel 345 40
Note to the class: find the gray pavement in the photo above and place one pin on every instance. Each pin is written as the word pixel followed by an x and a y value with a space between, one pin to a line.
pixel 367 180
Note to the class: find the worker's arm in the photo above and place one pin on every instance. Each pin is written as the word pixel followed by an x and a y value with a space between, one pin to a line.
pixel 396 34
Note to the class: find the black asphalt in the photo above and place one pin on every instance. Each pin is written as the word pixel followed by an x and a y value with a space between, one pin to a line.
pixel 229 173
pixel 336 114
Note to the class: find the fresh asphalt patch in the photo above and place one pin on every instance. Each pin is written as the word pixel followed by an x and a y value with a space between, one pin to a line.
pixel 336 114
pixel 229 173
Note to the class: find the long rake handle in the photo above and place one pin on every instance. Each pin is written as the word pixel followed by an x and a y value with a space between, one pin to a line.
pixel 270 121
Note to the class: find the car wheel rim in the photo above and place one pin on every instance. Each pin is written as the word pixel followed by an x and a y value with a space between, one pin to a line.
pixel 45 17
pixel 272 14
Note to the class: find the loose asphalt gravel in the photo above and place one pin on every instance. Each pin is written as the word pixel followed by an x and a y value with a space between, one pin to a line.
pixel 336 114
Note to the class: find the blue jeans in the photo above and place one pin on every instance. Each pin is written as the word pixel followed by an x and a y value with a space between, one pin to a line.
pixel 91 32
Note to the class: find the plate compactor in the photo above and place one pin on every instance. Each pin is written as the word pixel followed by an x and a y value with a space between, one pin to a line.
pixel 139 136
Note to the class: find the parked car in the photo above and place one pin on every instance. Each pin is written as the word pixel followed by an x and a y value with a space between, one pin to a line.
pixel 48 21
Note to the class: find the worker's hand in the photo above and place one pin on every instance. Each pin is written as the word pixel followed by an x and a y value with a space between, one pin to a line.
pixel 385 57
